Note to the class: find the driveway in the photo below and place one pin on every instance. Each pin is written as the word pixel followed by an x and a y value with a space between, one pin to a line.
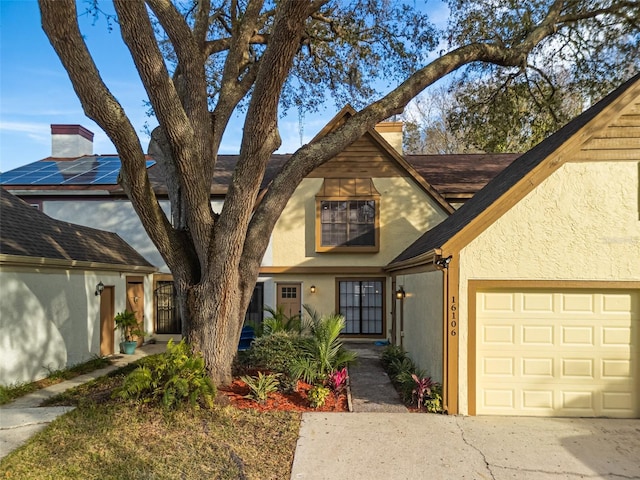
pixel 422 446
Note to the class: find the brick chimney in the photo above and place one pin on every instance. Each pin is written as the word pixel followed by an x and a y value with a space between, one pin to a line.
pixel 392 133
pixel 71 141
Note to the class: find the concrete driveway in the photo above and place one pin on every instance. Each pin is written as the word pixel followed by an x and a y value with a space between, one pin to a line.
pixel 421 446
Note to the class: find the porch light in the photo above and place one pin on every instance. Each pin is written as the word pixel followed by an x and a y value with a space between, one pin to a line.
pixel 400 293
pixel 312 289
pixel 99 288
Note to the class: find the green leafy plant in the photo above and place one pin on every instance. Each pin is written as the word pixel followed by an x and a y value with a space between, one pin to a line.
pixel 391 353
pixel 317 396
pixel 323 351
pixel 127 323
pixel 261 386
pixel 413 385
pixel 170 379
pixel 280 322
pixel 433 404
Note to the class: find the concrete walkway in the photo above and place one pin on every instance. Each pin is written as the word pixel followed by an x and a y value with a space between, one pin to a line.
pixel 371 388
pixel 23 418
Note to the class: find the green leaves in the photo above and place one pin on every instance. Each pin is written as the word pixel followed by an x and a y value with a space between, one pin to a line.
pixel 261 386
pixel 172 378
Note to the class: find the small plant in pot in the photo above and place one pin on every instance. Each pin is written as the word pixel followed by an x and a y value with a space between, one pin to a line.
pixel 127 323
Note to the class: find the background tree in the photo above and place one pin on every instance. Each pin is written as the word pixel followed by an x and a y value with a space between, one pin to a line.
pixel 428 128
pixel 258 55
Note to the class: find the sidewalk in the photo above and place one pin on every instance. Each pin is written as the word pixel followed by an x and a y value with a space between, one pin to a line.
pixel 22 418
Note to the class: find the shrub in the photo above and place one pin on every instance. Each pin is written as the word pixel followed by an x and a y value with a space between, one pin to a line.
pixel 412 384
pixel 274 352
pixel 318 395
pixel 261 386
pixel 170 379
pixel 391 353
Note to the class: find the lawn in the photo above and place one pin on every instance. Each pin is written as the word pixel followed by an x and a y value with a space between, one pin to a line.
pixel 112 439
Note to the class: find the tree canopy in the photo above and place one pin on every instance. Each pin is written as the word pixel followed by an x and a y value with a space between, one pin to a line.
pixel 200 61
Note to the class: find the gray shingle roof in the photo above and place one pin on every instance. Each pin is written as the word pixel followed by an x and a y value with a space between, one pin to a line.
pixel 443 232
pixel 27 232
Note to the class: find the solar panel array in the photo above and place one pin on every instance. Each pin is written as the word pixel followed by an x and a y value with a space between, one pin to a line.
pixel 93 170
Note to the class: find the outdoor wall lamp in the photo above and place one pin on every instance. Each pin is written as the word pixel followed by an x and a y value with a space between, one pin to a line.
pixel 312 289
pixel 99 288
pixel 400 293
pixel 444 262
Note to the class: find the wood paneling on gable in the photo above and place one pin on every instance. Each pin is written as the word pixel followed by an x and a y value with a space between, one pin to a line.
pixel 620 140
pixel 362 159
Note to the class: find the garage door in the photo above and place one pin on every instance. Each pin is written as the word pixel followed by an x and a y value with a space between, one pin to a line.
pixel 558 353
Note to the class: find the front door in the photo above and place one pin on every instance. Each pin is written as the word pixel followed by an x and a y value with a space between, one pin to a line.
pixel 106 321
pixel 135 300
pixel 289 298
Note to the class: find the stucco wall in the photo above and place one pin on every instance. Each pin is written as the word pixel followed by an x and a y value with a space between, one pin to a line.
pixel 581 223
pixel 405 213
pixel 114 216
pixel 423 320
pixel 50 319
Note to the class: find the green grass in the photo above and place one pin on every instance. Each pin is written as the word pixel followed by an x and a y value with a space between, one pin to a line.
pixel 10 393
pixel 106 438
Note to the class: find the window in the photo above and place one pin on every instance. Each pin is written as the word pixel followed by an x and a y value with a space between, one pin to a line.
pixel 361 303
pixel 347 216
pixel 348 223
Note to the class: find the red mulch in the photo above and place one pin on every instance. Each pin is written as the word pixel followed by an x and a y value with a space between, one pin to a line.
pixel 293 402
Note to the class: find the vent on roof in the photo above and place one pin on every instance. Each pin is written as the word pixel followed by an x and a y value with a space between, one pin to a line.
pixel 71 141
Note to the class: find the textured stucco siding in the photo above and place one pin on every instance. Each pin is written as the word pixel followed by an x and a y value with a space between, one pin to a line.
pixel 50 319
pixel 406 212
pixel 423 329
pixel 581 223
pixel 114 216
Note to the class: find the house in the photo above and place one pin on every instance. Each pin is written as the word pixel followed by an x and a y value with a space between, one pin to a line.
pixel 61 286
pixel 526 300
pixel 389 195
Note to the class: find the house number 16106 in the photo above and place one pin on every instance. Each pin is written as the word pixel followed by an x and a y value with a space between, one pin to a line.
pixel 453 322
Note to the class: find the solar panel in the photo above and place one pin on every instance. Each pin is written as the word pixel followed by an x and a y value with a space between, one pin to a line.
pixel 94 170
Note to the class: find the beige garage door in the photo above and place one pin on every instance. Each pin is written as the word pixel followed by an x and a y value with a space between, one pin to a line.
pixel 558 353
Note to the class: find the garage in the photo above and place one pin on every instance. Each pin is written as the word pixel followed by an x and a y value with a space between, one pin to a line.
pixel 557 352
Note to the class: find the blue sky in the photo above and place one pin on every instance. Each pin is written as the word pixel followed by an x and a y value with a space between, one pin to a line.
pixel 35 90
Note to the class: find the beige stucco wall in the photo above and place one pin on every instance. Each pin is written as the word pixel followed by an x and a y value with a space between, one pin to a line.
pixel 50 318
pixel 423 320
pixel 581 223
pixel 113 216
pixel 405 213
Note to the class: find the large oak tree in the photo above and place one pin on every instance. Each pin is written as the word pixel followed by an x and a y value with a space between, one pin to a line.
pixel 201 61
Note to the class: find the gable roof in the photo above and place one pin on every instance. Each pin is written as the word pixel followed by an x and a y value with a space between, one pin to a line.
pixel 27 232
pixel 391 153
pixel 452 227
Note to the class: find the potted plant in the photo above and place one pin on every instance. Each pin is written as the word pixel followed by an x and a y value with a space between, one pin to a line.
pixel 127 323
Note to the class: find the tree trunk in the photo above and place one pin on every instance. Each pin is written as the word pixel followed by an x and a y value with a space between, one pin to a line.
pixel 213 319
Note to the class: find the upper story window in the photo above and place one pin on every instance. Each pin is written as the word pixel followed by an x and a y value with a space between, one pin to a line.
pixel 347 216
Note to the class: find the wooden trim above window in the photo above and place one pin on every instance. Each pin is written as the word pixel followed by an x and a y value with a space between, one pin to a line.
pixel 347 190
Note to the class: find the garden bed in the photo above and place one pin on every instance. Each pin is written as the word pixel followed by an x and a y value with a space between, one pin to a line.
pixel 292 402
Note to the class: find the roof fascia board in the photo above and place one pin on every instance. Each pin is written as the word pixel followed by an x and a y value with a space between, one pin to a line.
pixel 419 261
pixel 542 171
pixel 23 261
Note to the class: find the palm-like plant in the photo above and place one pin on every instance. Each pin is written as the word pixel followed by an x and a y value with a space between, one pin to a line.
pixel 323 351
pixel 280 322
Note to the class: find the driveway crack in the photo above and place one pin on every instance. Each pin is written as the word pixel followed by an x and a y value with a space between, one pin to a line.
pixel 467 442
